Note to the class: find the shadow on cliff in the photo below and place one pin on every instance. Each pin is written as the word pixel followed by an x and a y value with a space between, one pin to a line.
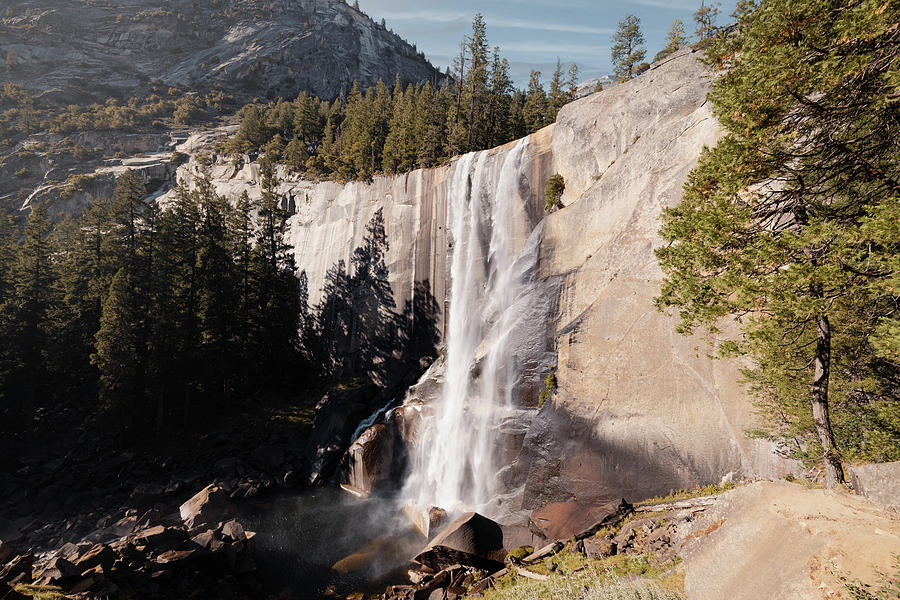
pixel 363 345
pixel 356 330
pixel 564 458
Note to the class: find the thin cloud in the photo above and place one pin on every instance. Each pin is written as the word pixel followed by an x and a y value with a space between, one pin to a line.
pixel 440 16
pixel 549 49
pixel 541 26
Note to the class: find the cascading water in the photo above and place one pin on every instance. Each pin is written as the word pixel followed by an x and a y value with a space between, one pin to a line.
pixel 493 258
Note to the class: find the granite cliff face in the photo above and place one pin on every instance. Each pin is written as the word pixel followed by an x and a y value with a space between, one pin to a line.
pixel 639 409
pixel 80 51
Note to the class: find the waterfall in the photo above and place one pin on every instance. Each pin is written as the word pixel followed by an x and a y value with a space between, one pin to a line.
pixel 455 462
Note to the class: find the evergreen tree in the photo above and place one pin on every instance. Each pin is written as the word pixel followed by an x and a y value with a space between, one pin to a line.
pixel 31 306
pixel 675 39
pixel 498 108
pixel 116 355
pixel 216 294
pixel 627 51
pixel 808 264
pixel 517 127
pixel 558 97
pixel 705 18
pixel 276 293
pixel 534 110
pixel 477 85
pixel 572 82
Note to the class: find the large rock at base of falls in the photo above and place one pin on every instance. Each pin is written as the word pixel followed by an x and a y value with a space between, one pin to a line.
pixel 373 461
pixel 471 540
pixel 337 415
pixel 566 520
pixel 209 506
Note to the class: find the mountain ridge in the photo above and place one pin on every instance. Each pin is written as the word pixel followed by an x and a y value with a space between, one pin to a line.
pixel 249 48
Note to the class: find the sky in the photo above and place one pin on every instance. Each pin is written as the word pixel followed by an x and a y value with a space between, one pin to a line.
pixel 532 34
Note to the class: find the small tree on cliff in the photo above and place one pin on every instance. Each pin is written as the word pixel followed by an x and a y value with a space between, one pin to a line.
pixel 553 192
pixel 791 225
pixel 705 18
pixel 628 51
pixel 675 39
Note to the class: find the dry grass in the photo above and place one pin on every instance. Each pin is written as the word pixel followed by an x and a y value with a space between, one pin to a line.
pixel 616 578
pixel 41 592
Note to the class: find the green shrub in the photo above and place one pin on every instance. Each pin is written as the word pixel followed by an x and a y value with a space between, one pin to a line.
pixel 549 387
pixel 518 554
pixel 553 192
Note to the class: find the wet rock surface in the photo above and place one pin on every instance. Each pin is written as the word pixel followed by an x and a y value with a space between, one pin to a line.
pixel 472 540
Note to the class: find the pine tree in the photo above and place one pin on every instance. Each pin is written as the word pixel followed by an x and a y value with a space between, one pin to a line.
pixel 216 298
pixel 705 18
pixel 535 108
pixel 675 39
pixel 476 90
pixel 627 51
pixel 33 301
pixel 808 264
pixel 116 355
pixel 126 211
pixel 498 107
pixel 276 305
pixel 572 82
pixel 557 98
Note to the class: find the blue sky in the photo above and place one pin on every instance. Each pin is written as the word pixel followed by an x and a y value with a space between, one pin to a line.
pixel 533 33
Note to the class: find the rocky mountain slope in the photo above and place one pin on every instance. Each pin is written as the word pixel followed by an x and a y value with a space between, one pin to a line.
pixel 84 50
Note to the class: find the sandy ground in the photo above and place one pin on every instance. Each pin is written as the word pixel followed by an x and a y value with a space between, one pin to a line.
pixel 786 542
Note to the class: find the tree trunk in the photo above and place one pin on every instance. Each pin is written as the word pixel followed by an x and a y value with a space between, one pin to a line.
pixel 834 472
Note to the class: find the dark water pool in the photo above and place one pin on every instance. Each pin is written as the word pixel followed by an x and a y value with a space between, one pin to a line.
pixel 301 536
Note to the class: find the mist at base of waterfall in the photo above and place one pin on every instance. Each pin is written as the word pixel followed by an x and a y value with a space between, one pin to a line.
pixel 301 536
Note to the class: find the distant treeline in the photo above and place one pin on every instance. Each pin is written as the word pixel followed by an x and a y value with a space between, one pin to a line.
pixel 392 130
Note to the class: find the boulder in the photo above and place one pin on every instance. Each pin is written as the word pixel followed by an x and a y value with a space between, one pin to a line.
pixel 175 556
pixel 425 520
pixel 337 415
pixel 880 483
pixel 100 555
pixel 234 530
pixel 598 548
pixel 18 569
pixel 471 540
pixel 209 506
pixel 58 571
pixel 566 520
pixel 160 538
pixel 369 464
pixel 210 540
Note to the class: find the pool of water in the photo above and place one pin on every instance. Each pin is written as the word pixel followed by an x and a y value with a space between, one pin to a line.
pixel 318 539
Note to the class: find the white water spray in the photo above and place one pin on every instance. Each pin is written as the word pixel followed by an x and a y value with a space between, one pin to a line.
pixel 455 463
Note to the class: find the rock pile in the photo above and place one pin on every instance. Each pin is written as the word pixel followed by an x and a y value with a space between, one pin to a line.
pixel 151 552
pixel 473 552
